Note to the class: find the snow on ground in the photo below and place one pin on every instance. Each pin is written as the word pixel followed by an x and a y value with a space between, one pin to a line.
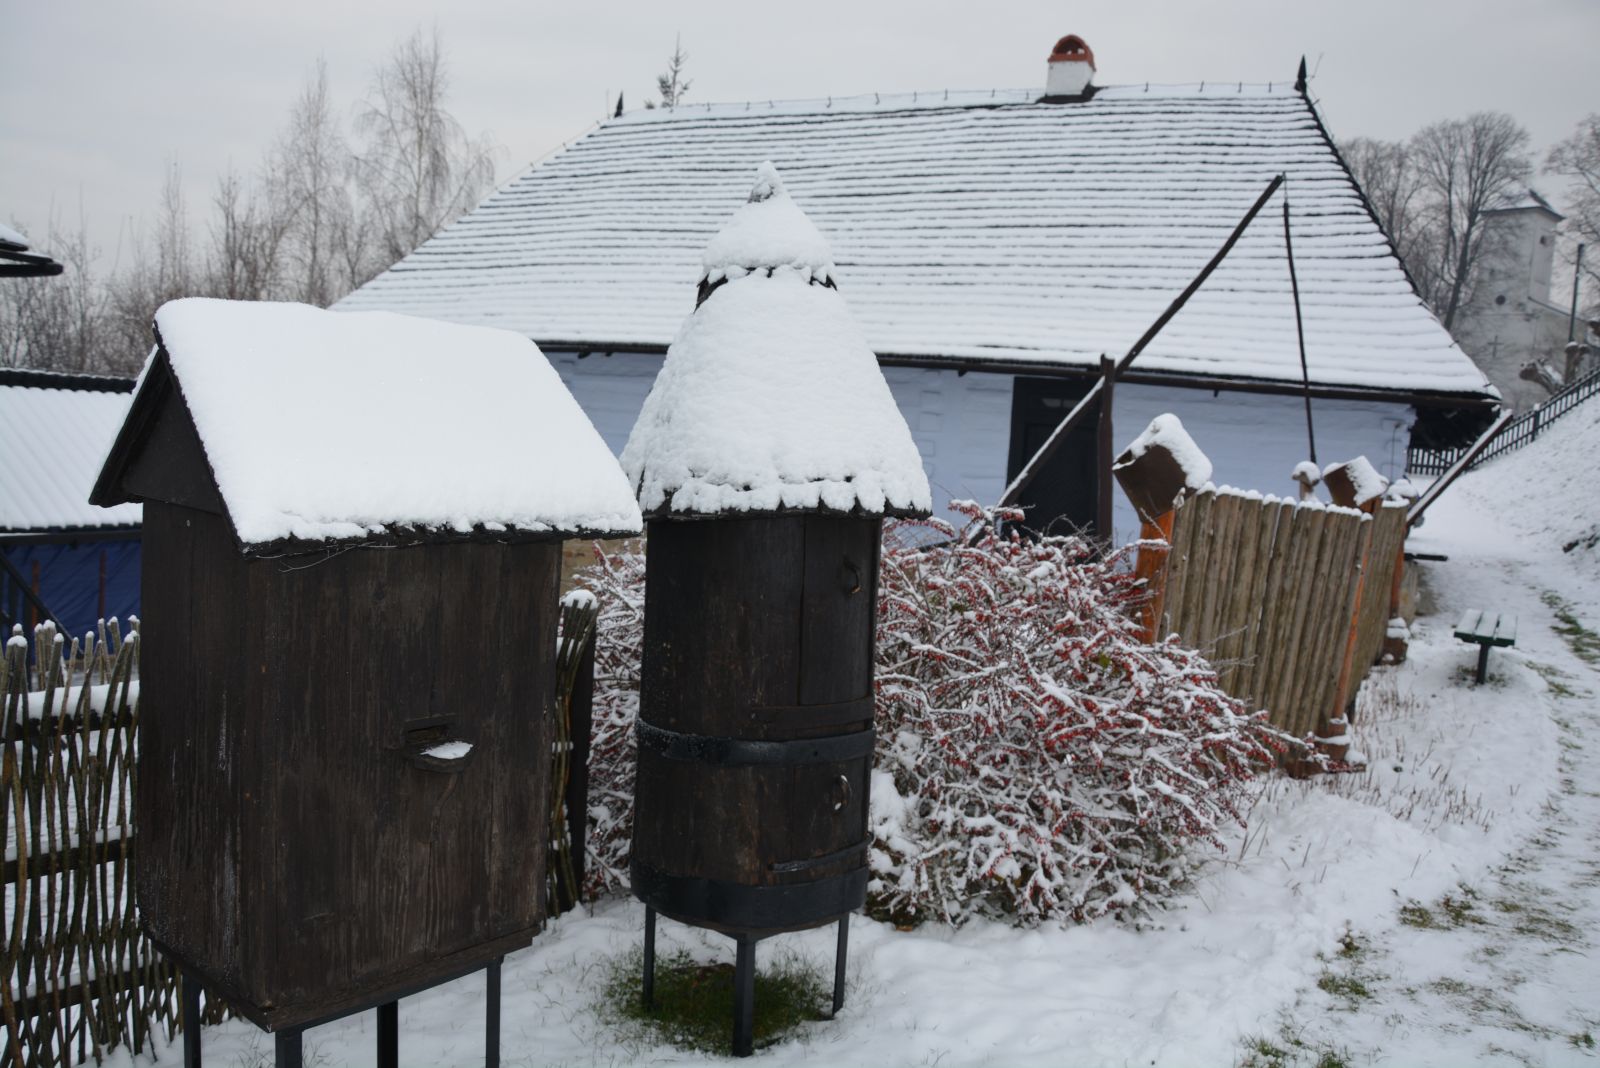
pixel 1435 910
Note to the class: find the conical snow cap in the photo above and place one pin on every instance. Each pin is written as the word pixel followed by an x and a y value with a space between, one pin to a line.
pixel 768 232
pixel 769 400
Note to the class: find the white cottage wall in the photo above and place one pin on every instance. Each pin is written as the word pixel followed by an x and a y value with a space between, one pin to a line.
pixel 962 425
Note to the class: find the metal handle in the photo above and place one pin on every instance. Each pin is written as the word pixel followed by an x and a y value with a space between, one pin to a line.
pixel 841 795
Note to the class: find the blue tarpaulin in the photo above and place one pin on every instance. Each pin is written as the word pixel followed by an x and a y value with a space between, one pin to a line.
pixel 81 582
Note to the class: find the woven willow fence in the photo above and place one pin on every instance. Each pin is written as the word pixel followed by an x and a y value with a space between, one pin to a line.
pixel 1268 590
pixel 76 977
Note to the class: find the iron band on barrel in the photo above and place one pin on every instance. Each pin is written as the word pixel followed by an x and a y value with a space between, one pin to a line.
pixel 739 752
pixel 766 909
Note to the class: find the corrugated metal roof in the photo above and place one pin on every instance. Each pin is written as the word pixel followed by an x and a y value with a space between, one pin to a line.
pixel 965 226
pixel 52 443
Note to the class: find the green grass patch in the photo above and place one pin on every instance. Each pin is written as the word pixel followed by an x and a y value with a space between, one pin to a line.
pixel 1352 988
pixel 1290 1049
pixel 693 1007
pixel 1581 1040
pixel 1582 640
pixel 1416 914
pixel 1559 683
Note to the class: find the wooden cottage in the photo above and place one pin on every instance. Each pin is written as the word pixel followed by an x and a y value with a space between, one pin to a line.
pixel 994 243
pixel 766 457
pixel 351 527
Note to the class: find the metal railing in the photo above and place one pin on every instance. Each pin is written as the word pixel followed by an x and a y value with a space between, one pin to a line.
pixel 1520 431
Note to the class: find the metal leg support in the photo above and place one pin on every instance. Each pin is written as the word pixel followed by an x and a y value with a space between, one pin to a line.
pixel 648 994
pixel 1483 662
pixel 389 1034
pixel 839 956
pixel 491 1023
pixel 191 1021
pixel 744 996
pixel 287 1051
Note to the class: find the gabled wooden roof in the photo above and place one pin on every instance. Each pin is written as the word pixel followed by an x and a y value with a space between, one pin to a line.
pixel 980 228
pixel 309 430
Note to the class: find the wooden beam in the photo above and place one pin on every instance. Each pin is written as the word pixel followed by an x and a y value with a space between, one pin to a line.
pixel 1436 490
pixel 1105 452
pixel 1058 436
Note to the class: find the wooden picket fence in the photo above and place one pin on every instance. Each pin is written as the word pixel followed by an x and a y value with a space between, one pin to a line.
pixel 1267 588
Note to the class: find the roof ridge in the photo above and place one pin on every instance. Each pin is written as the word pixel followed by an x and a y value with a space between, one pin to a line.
pixel 953 98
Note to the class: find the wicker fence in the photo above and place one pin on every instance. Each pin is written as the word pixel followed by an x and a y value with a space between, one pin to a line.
pixel 76 976
pixel 1521 431
pixel 1268 589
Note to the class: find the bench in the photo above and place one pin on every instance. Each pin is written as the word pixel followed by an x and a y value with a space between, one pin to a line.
pixel 1486 630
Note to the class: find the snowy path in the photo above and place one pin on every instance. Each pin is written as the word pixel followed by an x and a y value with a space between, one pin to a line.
pixel 1505 968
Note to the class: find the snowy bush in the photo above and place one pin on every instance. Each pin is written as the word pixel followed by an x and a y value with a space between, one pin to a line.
pixel 617 580
pixel 1035 760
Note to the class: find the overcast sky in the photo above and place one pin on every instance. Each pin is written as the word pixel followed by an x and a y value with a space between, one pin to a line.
pixel 95 97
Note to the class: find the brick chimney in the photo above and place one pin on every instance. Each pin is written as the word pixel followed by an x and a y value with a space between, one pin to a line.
pixel 1070 69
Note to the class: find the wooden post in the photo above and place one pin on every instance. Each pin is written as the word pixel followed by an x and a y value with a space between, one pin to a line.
pixel 1395 649
pixel 1151 568
pixel 1105 453
pixel 581 710
pixel 1336 723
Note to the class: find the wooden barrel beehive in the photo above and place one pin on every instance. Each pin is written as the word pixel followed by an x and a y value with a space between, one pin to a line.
pixel 755 732
pixel 766 458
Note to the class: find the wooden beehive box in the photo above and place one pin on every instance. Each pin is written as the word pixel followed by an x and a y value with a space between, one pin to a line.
pixel 344 746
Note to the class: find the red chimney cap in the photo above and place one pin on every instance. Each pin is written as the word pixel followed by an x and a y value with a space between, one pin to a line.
pixel 1075 48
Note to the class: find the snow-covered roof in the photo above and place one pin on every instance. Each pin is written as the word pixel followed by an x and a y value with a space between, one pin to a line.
pixel 968 226
pixel 770 400
pixel 1526 200
pixel 320 426
pixel 12 238
pixel 54 431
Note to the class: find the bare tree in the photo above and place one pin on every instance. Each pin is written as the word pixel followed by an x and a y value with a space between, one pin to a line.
pixel 1389 177
pixel 248 238
pixel 161 268
pixel 310 164
pixel 1468 167
pixel 1578 160
pixel 55 323
pixel 418 170
pixel 673 85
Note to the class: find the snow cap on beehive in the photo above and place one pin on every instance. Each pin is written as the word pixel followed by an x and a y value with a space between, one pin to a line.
pixel 769 399
pixel 1353 483
pixel 1161 465
pixel 323 427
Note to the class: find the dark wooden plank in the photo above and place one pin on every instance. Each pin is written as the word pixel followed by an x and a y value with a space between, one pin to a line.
pixel 841 575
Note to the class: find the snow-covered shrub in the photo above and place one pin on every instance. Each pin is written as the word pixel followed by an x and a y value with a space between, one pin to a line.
pixel 617 580
pixel 1035 759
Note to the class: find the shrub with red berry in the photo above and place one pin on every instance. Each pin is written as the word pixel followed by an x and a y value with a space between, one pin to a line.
pixel 1035 760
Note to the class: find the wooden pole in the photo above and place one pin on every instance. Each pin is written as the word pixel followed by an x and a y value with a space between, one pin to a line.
pixel 1299 329
pixel 1151 568
pixel 1014 491
pixel 1105 452
pixel 1335 724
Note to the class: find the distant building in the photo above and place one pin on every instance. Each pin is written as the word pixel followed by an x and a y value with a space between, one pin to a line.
pixel 993 244
pixel 1519 313
pixel 81 561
